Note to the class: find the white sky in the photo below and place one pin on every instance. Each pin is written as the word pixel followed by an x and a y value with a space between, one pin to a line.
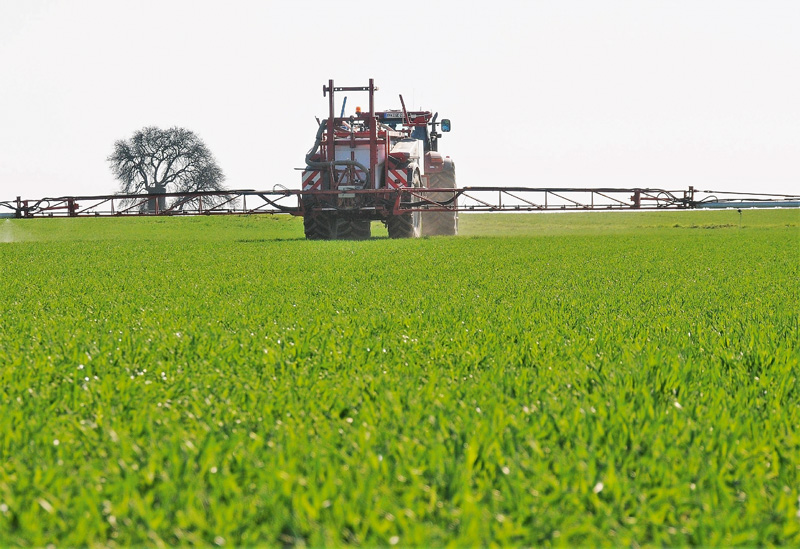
pixel 559 93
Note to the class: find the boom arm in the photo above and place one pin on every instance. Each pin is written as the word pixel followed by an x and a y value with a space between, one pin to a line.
pixel 465 199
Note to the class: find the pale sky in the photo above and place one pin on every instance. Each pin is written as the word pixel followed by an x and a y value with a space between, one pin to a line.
pixel 638 93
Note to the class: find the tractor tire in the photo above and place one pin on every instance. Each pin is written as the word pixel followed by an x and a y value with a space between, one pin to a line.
pixel 441 223
pixel 400 226
pixel 319 226
pixel 360 229
pixel 327 226
pixel 407 225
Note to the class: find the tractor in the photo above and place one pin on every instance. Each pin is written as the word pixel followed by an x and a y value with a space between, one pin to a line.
pixel 377 166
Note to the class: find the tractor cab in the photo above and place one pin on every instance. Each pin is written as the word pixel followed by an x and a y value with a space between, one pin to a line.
pixel 415 125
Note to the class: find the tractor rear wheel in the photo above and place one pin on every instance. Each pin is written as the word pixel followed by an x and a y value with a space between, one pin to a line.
pixel 407 225
pixel 441 223
pixel 319 226
pixel 328 226
pixel 360 229
pixel 400 226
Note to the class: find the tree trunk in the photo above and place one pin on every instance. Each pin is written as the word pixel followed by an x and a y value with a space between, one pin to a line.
pixel 159 203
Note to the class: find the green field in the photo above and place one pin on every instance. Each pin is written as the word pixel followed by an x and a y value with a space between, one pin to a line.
pixel 564 379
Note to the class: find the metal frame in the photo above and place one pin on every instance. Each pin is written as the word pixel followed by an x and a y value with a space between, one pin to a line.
pixel 392 201
pixel 329 150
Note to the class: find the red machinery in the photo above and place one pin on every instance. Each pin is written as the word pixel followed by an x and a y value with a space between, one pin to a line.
pixel 359 163
pixel 384 165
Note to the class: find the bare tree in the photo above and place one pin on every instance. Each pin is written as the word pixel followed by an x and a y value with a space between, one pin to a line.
pixel 156 161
